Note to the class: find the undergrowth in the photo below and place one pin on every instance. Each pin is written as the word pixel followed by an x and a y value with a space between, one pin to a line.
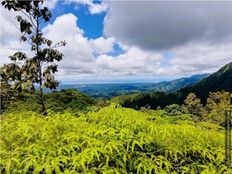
pixel 111 140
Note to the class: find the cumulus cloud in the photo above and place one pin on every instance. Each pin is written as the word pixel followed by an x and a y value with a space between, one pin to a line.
pixel 200 57
pixel 199 42
pixel 80 52
pixel 102 45
pixel 10 32
pixel 9 35
pixel 78 56
pixel 199 34
pixel 156 25
pixel 93 7
pixel 133 62
pixel 89 57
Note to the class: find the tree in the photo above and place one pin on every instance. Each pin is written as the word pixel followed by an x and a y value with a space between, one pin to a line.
pixel 217 104
pixel 173 110
pixel 24 72
pixel 193 106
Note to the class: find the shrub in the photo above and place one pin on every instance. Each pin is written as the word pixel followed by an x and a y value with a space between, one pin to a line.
pixel 173 110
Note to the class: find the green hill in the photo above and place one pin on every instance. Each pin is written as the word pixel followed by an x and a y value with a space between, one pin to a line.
pixel 69 99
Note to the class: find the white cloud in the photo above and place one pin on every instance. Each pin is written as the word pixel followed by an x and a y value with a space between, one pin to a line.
pixel 79 53
pixel 200 57
pixel 78 56
pixel 50 4
pixel 97 8
pixel 89 59
pixel 199 34
pixel 11 32
pixel 102 45
pixel 9 35
pixel 93 7
pixel 133 62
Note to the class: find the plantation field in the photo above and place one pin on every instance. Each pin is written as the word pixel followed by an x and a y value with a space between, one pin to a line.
pixel 111 140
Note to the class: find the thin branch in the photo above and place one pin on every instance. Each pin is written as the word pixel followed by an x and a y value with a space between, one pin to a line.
pixel 29 42
pixel 32 19
pixel 24 13
pixel 59 44
pixel 29 17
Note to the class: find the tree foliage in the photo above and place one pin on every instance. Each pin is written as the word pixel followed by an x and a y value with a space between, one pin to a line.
pixel 25 71
pixel 173 110
pixel 217 104
pixel 194 107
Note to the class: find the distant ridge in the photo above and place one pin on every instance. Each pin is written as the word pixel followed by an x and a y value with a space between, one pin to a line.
pixel 221 80
pixel 174 85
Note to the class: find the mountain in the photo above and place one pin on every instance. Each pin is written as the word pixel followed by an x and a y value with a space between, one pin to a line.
pixel 177 84
pixel 111 90
pixel 107 90
pixel 218 81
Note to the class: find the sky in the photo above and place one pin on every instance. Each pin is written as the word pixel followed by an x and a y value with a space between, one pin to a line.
pixel 131 41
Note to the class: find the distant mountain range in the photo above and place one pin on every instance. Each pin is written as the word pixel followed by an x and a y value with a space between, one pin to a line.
pixel 112 90
pixel 174 85
pixel 200 84
pixel 218 81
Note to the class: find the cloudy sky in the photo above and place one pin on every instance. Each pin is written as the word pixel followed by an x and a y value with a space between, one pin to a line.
pixel 132 41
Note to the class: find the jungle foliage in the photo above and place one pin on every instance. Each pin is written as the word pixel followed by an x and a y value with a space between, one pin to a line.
pixel 111 140
pixel 69 99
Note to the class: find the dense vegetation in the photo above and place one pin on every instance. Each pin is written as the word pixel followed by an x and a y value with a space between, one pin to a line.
pixel 111 140
pixel 69 99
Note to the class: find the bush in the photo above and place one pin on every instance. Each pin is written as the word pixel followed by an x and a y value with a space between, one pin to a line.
pixel 173 110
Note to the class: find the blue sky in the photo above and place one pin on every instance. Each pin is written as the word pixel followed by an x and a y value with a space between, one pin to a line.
pixel 92 24
pixel 131 41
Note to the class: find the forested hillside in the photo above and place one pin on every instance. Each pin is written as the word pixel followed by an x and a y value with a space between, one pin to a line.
pixel 218 81
pixel 68 99
pixel 174 85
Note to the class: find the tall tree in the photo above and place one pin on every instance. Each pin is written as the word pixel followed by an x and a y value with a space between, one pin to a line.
pixel 24 72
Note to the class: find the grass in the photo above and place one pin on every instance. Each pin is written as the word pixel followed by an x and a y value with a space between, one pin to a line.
pixel 111 140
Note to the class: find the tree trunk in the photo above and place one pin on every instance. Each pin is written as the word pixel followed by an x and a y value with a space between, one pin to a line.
pixel 43 109
pixel 41 95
